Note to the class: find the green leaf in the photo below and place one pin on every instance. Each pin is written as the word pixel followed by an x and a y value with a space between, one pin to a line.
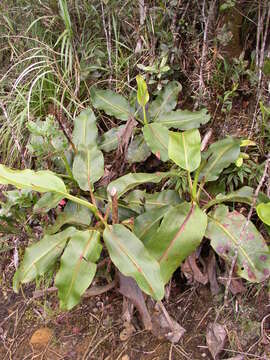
pixel 74 214
pixel 41 256
pixel 110 139
pixel 88 167
pixel 131 180
pixel 88 164
pixel 77 268
pixel 184 119
pixel 131 257
pixel 47 202
pixel 243 195
pixel 266 66
pixel 139 200
pixel 247 142
pixel 111 103
pixel 41 181
pixel 85 131
pixel 142 92
pixel 184 149
pixel 166 100
pixel 138 150
pixel 146 225
pixel 157 138
pixel 225 230
pixel 263 211
pixel 218 157
pixel 179 234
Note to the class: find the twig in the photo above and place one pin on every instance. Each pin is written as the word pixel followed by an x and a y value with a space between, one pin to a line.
pixel 97 345
pixel 244 228
pixel 206 139
pixel 142 10
pixel 85 355
pixel 264 36
pixel 166 314
pixel 205 37
pixel 263 32
pixel 108 39
pixel 60 117
pixel 93 291
pixel 113 194
pixel 13 135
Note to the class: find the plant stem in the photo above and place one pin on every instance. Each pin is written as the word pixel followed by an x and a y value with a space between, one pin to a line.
pixel 190 185
pixel 199 191
pixel 144 116
pixel 68 169
pixel 87 204
pixel 194 187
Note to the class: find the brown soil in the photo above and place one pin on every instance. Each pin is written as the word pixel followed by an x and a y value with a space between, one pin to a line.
pixel 92 330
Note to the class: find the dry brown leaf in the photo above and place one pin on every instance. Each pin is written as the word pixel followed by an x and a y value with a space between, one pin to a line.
pixel 237 286
pixel 212 273
pixel 192 271
pixel 125 135
pixel 164 326
pixel 197 274
pixel 215 338
pixel 130 289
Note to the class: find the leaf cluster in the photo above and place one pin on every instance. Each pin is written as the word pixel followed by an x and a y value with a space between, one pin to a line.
pixel 153 233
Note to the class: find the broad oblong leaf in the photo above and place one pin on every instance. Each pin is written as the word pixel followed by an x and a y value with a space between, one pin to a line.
pixel 111 103
pixel 179 234
pixel 85 130
pixel 129 181
pixel 109 140
pixel 41 256
pixel 47 202
pixel 184 149
pixel 157 138
pixel 138 150
pixel 88 164
pixel 41 181
pixel 88 167
pixel 244 195
pixel 146 224
pixel 219 156
pixel 77 267
pixel 229 231
pixel 74 214
pixel 184 119
pixel 142 92
pixel 263 211
pixel 130 256
pixel 166 100
pixel 139 200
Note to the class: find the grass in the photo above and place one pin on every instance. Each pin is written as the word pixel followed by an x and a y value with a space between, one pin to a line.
pixel 55 52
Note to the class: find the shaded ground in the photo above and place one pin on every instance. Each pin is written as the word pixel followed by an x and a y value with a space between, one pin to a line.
pixel 94 329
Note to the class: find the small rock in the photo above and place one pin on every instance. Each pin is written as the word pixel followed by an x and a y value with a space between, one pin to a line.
pixel 125 357
pixel 127 331
pixel 41 337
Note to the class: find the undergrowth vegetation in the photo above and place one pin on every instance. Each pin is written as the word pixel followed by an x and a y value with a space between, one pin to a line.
pixel 141 132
